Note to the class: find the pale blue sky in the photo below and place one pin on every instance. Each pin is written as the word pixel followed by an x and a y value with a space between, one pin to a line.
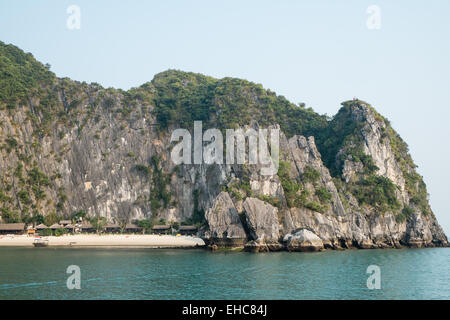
pixel 317 52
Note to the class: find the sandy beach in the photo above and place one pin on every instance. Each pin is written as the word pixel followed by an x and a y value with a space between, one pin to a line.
pixel 85 240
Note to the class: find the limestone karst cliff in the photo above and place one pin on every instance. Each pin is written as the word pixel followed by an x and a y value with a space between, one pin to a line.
pixel 68 146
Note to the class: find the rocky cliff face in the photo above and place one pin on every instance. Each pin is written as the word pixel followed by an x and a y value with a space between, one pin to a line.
pixel 68 146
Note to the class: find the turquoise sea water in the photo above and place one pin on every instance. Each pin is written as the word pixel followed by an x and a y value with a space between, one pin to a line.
pixel 40 273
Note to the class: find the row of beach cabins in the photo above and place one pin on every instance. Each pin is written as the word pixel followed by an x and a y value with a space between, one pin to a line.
pixel 86 227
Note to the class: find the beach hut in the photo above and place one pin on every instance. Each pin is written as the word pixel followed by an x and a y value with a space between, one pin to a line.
pixel 40 227
pixel 65 222
pixel 86 226
pixel 161 229
pixel 188 230
pixel 55 226
pixel 112 228
pixel 132 228
pixel 69 227
pixel 12 228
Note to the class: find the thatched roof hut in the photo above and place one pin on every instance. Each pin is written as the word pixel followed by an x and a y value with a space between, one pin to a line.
pixel 86 226
pixel 131 227
pixel 55 226
pixel 188 229
pixel 161 228
pixel 12 228
pixel 183 228
pixel 112 227
pixel 41 227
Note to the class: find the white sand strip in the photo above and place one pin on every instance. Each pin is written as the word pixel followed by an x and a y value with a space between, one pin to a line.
pixel 151 241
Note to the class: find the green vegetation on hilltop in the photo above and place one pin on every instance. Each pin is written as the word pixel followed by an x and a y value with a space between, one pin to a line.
pixel 342 132
pixel 181 98
pixel 21 75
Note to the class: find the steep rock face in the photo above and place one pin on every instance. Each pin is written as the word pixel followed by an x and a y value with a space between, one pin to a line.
pixel 262 220
pixel 193 187
pixel 303 154
pixel 377 146
pixel 87 167
pixel 225 226
pixel 262 224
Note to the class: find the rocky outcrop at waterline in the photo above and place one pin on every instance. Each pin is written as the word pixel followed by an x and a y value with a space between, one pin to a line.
pixel 303 240
pixel 304 208
pixel 67 146
pixel 225 226
pixel 262 224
